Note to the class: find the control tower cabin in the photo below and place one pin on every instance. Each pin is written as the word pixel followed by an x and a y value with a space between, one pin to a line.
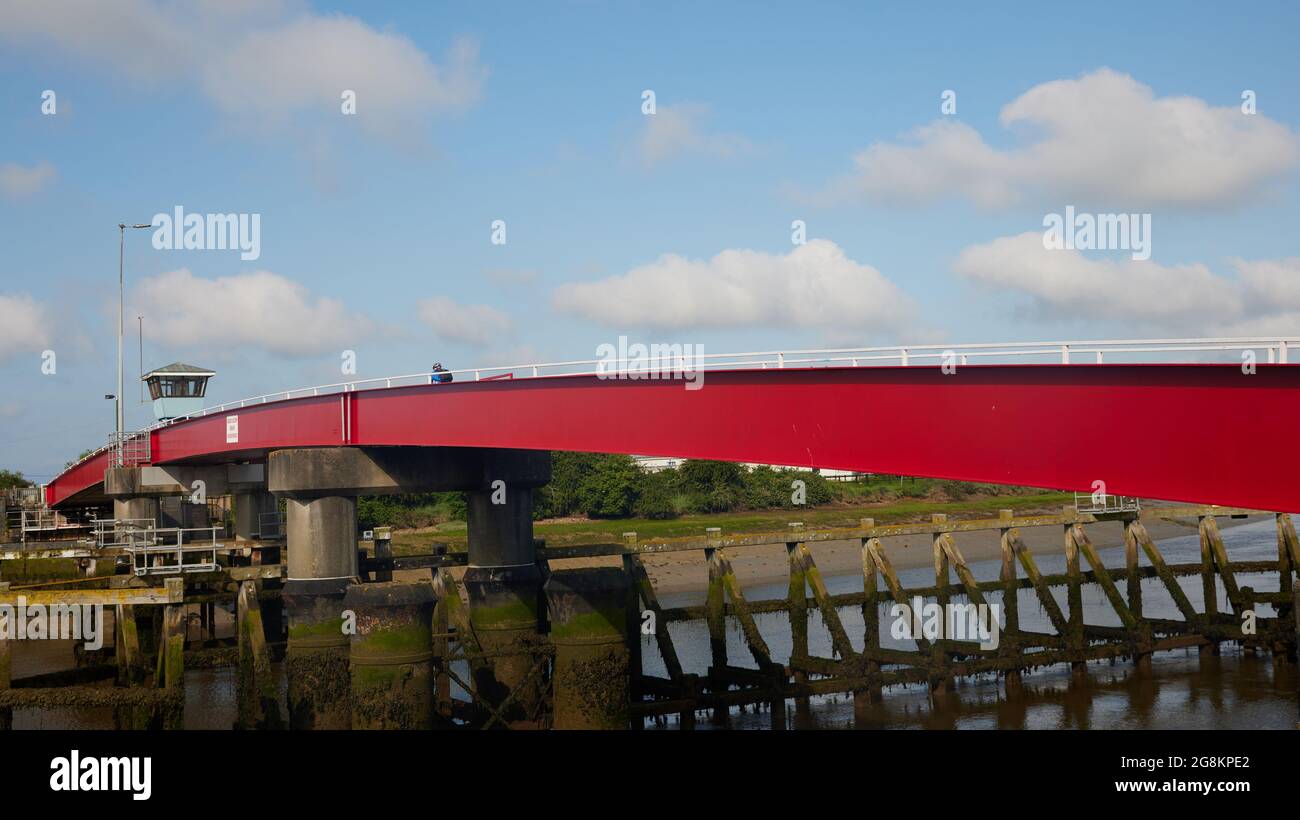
pixel 177 389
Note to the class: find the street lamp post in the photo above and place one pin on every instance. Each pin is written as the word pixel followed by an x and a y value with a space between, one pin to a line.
pixel 121 301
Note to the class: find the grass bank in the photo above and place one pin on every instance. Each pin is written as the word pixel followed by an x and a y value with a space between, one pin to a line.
pixel 586 531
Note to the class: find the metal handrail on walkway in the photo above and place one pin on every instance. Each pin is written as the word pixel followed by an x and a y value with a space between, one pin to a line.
pixel 112 532
pixel 154 552
pixel 674 358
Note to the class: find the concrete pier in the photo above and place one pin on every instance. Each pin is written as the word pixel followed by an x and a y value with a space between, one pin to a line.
pixel 392 655
pixel 322 565
pixel 503 581
pixel 504 585
pixel 316 658
pixel 588 613
pixel 138 508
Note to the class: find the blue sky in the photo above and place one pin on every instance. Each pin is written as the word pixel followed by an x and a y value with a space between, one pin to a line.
pixel 375 228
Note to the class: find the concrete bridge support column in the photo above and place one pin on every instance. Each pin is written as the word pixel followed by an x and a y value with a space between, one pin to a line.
pixel 392 655
pixel 503 579
pixel 136 509
pixel 322 546
pixel 504 584
pixel 588 612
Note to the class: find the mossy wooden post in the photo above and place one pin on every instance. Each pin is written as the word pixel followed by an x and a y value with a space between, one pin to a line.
pixel 1074 599
pixel 1295 608
pixel 645 593
pixel 173 647
pixel 257 703
pixel 130 664
pixel 797 598
pixel 716 609
pixel 941 682
pixel 1010 643
pixel 862 699
pixel 633 631
pixel 6 661
pixel 1209 590
pixel 1284 652
pixel 1134 594
pixel 441 652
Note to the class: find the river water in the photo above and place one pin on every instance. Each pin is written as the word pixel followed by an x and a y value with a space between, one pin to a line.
pixel 1237 690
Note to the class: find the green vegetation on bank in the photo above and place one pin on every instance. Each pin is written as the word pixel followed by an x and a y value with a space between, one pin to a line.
pixel 594 497
pixel 9 479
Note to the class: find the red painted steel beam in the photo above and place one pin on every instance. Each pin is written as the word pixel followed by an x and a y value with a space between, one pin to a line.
pixel 1196 433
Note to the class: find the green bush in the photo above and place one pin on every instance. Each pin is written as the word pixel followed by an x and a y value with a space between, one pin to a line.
pixel 657 496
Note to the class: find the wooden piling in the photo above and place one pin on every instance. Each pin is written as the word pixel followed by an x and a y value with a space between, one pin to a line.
pixel 130 663
pixel 797 600
pixel 256 692
pixel 1284 652
pixel 1209 590
pixel 1074 601
pixel 941 681
pixel 862 699
pixel 1165 574
pixel 172 653
pixel 1009 646
pixel 1134 593
pixel 716 606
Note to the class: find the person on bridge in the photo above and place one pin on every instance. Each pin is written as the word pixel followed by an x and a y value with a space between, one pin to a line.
pixel 439 374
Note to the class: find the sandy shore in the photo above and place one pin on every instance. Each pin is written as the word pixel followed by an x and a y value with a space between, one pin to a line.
pixel 686 571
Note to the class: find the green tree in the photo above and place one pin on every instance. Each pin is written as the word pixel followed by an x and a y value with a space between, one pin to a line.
pixel 609 488
pixel 12 478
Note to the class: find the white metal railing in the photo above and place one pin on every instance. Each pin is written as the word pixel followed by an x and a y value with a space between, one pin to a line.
pixel 113 532
pixel 172 550
pixel 43 520
pixel 1275 350
pixel 129 448
pixel 1104 503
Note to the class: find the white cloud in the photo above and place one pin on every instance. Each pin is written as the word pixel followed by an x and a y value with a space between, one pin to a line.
pixel 1262 299
pixel 259 310
pixel 259 62
pixel 815 285
pixel 272 73
pixel 1101 138
pixel 677 131
pixel 17 182
pixel 477 325
pixel 24 325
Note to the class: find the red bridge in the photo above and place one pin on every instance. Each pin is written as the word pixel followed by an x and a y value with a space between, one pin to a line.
pixel 1212 433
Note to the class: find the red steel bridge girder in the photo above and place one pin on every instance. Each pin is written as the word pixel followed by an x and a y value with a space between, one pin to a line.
pixel 1199 433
